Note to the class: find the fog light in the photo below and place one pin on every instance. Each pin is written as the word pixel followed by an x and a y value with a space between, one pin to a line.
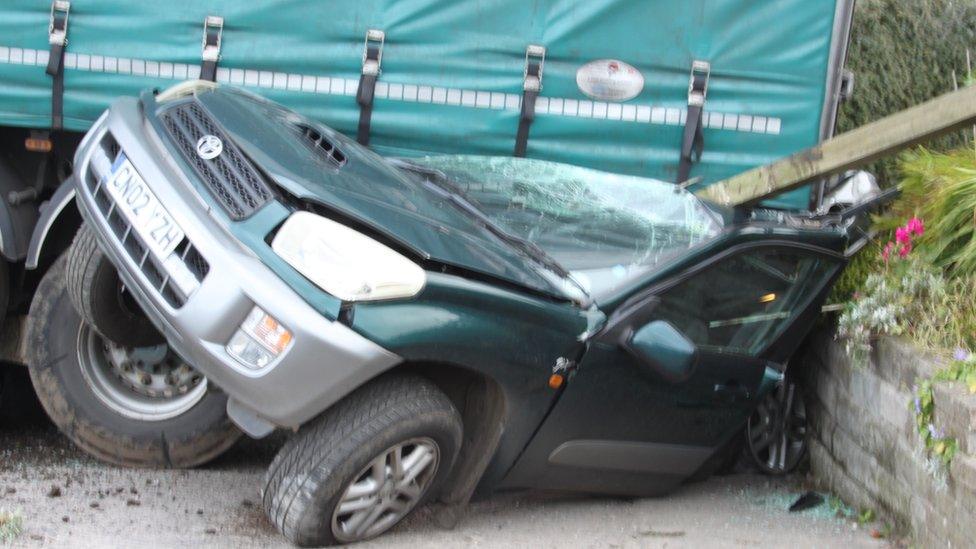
pixel 259 340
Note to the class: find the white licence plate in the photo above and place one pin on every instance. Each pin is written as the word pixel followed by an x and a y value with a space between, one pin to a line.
pixel 141 208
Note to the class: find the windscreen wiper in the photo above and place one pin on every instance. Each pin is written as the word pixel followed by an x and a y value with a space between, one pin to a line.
pixel 527 247
pixel 441 185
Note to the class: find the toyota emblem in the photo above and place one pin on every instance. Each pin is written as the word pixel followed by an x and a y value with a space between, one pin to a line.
pixel 209 147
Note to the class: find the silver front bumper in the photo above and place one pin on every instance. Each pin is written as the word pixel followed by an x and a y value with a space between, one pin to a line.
pixel 326 360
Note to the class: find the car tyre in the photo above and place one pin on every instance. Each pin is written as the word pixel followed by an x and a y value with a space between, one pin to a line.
pixel 186 429
pixel 345 462
pixel 99 297
pixel 776 435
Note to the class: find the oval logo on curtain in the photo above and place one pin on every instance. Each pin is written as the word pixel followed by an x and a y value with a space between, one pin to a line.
pixel 609 80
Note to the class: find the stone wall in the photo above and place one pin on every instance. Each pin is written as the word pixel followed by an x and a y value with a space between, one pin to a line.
pixel 864 446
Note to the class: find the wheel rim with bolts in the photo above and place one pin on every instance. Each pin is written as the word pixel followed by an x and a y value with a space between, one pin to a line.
pixel 777 430
pixel 386 490
pixel 142 383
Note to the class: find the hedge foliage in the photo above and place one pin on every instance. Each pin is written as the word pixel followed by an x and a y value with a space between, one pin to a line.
pixel 903 52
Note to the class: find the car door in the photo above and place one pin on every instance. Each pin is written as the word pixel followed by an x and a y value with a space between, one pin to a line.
pixel 676 372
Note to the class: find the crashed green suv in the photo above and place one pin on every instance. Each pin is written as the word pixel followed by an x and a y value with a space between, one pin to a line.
pixel 437 327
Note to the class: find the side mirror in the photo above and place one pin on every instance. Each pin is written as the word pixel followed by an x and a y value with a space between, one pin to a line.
pixel 664 349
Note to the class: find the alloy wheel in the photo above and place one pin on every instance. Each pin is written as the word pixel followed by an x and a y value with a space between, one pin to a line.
pixel 777 430
pixel 386 490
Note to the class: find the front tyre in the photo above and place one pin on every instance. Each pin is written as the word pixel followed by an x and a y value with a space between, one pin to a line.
pixel 130 406
pixel 361 467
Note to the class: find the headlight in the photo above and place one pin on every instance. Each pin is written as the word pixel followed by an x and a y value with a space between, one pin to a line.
pixel 344 262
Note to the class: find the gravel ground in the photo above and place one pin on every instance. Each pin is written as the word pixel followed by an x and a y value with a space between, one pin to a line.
pixel 68 499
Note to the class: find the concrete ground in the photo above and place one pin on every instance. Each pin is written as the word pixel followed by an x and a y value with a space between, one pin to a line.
pixel 68 499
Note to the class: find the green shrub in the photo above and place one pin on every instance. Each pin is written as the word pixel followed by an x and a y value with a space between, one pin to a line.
pixel 941 189
pixel 867 261
pixel 897 300
pixel 903 52
pixel 914 299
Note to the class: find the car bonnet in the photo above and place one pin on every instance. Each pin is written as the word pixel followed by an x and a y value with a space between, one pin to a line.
pixel 366 189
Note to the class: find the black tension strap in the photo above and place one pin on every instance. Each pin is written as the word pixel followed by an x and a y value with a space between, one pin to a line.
pixel 693 141
pixel 535 58
pixel 213 30
pixel 372 60
pixel 57 38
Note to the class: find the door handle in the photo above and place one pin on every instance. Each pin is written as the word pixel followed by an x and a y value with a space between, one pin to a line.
pixel 731 391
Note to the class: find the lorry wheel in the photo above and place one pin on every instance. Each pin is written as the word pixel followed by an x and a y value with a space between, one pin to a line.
pixel 131 406
pixel 365 464
pixel 100 298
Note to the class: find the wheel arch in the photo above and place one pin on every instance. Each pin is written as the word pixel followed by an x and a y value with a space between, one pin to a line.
pixel 55 228
pixel 483 407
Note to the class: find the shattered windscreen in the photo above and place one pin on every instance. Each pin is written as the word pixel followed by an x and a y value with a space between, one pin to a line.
pixel 606 229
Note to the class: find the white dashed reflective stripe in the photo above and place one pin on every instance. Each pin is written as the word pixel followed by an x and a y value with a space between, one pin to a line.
pixel 435 95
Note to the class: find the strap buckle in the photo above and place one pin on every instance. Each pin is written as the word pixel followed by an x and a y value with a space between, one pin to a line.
pixel 846 85
pixel 535 59
pixel 373 52
pixel 698 83
pixel 57 28
pixel 213 30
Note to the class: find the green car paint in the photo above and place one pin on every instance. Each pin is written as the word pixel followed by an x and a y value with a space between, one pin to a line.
pixel 504 335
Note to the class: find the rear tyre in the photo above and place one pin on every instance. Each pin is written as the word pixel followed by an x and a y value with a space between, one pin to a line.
pixel 136 407
pixel 100 298
pixel 364 465
pixel 777 431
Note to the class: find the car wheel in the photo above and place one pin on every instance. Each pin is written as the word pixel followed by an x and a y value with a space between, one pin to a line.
pixel 100 298
pixel 777 431
pixel 361 467
pixel 131 406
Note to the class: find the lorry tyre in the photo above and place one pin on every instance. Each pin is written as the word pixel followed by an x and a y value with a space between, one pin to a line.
pixel 365 464
pixel 100 298
pixel 135 406
pixel 4 290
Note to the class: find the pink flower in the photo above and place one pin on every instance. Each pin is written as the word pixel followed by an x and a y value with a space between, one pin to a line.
pixel 886 253
pixel 903 235
pixel 916 226
pixel 905 250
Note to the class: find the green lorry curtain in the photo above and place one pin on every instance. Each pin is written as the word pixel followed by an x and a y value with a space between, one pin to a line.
pixel 614 78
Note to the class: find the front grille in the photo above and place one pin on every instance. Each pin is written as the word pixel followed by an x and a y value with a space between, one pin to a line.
pixel 231 177
pixel 158 275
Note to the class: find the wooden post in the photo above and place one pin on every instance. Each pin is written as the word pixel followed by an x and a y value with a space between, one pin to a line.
pixel 855 148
